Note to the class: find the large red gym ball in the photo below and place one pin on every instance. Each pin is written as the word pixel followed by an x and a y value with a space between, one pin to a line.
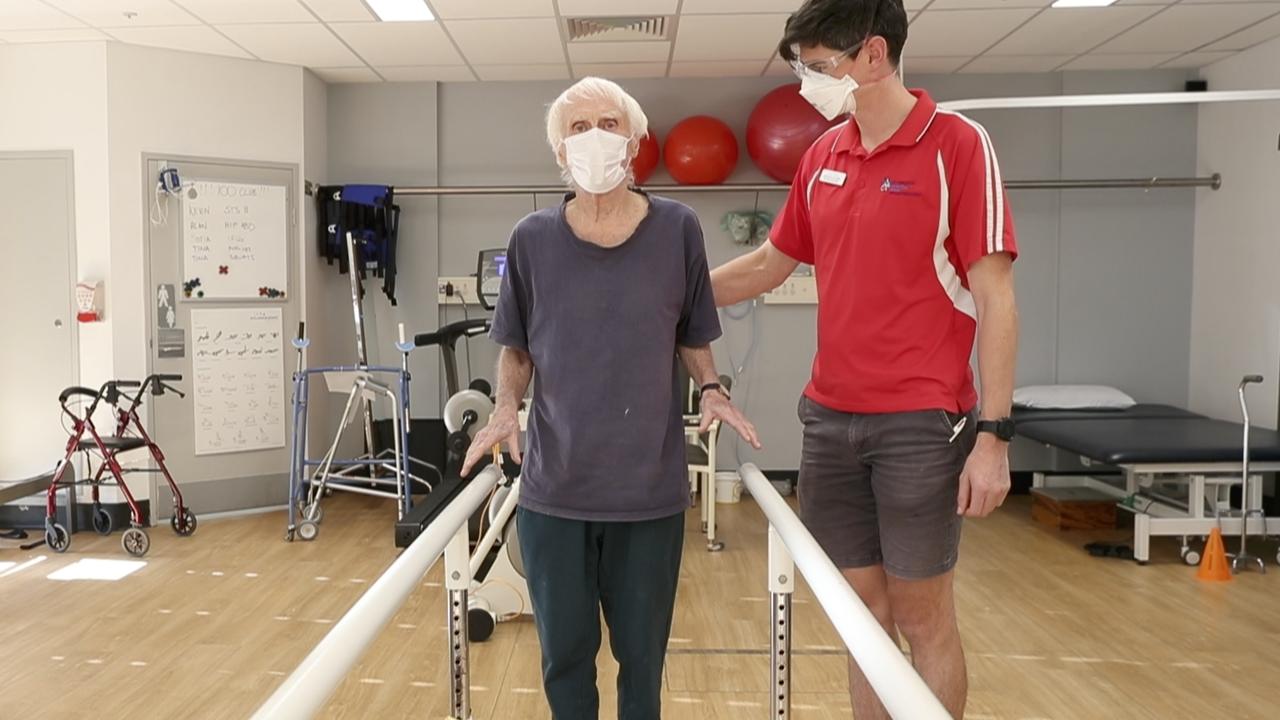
pixel 780 129
pixel 701 150
pixel 646 160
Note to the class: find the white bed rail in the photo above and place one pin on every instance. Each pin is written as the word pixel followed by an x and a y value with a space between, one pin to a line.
pixel 307 690
pixel 901 690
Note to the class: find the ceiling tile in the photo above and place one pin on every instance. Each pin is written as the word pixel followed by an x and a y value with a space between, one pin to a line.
pixel 399 43
pixel 716 37
pixel 347 74
pixel 1071 31
pixel 111 13
pixel 191 38
pixel 1250 36
pixel 297 44
pixel 1016 63
pixel 33 15
pixel 536 71
pixel 718 68
pixel 1122 61
pixel 619 52
pixel 953 33
pixel 925 65
pixel 340 10
pixel 1217 2
pixel 617 7
pixel 987 4
pixel 614 71
pixel 1198 59
pixel 499 42
pixel 46 36
pixel 696 7
pixel 497 9
pixel 914 5
pixel 228 12
pixel 427 73
pixel 1186 27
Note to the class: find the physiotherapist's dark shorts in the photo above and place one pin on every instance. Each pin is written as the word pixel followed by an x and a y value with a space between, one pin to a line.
pixel 881 489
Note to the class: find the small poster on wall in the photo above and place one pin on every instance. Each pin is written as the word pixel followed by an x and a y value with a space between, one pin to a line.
pixel 238 363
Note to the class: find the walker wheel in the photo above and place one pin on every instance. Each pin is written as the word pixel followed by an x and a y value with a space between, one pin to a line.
pixel 184 526
pixel 135 542
pixel 101 521
pixel 480 624
pixel 56 537
pixel 307 530
pixel 313 512
pixel 716 546
pixel 1191 557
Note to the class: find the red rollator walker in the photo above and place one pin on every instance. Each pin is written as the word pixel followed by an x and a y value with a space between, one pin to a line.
pixel 129 435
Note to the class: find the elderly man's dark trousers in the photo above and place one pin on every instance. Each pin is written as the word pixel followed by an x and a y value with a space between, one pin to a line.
pixel 575 570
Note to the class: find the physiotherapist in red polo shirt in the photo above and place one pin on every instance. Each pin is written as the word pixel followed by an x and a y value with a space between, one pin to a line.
pixel 902 212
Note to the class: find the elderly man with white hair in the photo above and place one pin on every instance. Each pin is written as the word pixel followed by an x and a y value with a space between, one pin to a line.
pixel 603 294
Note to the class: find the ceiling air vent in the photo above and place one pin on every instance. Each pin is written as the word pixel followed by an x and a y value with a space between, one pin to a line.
pixel 618 29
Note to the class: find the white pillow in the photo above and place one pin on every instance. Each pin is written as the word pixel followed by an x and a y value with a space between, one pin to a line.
pixel 1071 397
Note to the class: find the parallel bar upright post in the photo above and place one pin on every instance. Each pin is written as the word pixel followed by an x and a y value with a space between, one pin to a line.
pixel 782 584
pixel 457 570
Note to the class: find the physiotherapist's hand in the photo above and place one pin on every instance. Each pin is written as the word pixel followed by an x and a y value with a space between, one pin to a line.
pixel 984 482
pixel 504 426
pixel 715 406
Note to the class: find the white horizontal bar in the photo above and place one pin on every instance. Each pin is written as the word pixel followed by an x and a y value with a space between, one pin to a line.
pixel 900 689
pixel 1111 100
pixel 305 691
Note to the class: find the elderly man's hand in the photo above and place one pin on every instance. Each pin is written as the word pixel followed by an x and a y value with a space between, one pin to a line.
pixel 716 406
pixel 504 426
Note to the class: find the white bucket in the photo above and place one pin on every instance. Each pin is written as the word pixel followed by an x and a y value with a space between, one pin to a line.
pixel 728 487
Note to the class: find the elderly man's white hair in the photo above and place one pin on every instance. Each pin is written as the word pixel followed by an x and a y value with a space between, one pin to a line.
pixel 594 88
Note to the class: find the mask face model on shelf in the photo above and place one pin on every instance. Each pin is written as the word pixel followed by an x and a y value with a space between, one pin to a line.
pixel 830 96
pixel 597 159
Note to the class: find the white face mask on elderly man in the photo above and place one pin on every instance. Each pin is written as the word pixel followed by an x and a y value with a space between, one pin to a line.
pixel 830 96
pixel 597 159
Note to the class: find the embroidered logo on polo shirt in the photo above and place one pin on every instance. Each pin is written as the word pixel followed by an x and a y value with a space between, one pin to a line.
pixel 899 187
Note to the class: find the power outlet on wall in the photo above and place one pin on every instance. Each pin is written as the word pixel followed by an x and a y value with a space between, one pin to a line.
pixel 796 290
pixel 457 290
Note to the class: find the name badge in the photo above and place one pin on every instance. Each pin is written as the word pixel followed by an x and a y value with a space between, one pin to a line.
pixel 832 177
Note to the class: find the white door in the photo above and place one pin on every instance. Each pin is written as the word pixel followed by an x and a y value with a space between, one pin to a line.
pixel 37 320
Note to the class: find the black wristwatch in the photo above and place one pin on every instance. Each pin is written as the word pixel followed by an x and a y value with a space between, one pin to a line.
pixel 713 386
pixel 1002 428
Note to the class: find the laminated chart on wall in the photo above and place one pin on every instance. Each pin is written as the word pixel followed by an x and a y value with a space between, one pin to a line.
pixel 238 368
pixel 234 241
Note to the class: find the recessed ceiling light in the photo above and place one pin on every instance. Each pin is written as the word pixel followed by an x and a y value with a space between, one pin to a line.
pixel 400 10
pixel 1082 3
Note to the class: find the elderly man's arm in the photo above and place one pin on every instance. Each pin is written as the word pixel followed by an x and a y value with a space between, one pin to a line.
pixel 701 366
pixel 515 371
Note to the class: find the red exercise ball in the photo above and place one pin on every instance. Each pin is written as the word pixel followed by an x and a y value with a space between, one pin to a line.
pixel 780 129
pixel 646 160
pixel 701 150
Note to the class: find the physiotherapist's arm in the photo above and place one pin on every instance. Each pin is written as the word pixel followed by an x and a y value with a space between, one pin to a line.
pixel 984 482
pixel 991 282
pixel 751 275
pixel 515 371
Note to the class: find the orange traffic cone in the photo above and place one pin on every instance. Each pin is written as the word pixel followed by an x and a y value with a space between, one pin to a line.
pixel 1213 566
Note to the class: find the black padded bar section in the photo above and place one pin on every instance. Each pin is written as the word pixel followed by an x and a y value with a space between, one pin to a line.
pixel 1130 441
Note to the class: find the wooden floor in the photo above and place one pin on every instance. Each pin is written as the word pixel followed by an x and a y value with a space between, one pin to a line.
pixel 209 627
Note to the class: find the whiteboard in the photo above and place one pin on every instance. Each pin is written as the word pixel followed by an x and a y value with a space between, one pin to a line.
pixel 238 364
pixel 234 241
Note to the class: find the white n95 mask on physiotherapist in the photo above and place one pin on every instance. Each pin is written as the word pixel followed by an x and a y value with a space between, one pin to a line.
pixel 597 159
pixel 830 96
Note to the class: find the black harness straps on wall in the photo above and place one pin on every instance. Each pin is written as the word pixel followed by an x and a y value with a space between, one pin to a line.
pixel 370 214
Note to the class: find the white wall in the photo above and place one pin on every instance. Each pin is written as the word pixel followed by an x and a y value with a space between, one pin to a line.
pixel 1235 322
pixel 55 98
pixel 162 101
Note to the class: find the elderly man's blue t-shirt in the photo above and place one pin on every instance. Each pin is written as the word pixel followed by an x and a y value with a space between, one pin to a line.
pixel 606 438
